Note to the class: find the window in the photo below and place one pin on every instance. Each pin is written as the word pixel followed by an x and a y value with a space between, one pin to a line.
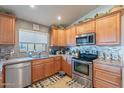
pixel 32 41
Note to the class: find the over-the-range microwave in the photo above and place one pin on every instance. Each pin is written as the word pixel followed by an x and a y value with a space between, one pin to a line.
pixel 86 39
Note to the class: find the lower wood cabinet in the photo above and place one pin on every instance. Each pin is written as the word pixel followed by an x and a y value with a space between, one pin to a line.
pixel 69 69
pixel 43 68
pixel 66 67
pixel 49 69
pixel 106 76
pixel 1 85
pixel 37 72
pixel 57 64
pixel 102 84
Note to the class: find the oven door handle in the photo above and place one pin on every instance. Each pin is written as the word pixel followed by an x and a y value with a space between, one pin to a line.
pixel 85 62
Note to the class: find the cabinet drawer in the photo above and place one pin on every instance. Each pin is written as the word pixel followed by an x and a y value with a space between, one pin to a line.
pixel 108 68
pixel 36 62
pixel 108 77
pixel 39 61
pixel 102 84
pixel 57 58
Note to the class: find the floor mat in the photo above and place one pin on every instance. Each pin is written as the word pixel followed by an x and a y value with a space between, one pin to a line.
pixel 56 81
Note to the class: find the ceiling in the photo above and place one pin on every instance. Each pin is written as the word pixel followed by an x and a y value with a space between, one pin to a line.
pixel 47 14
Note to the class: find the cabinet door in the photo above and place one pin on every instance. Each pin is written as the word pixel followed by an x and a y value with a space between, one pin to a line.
pixel 61 38
pixel 7 30
pixel 37 72
pixel 34 73
pixel 87 27
pixel 57 65
pixel 54 37
pixel 41 71
pixel 70 36
pixel 69 69
pixel 49 69
pixel 108 30
pixel 64 65
pixel 1 84
pixel 73 35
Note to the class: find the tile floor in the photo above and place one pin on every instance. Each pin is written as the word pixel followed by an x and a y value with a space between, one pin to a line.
pixel 56 81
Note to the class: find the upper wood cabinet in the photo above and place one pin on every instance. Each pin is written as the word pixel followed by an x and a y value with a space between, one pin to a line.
pixel 7 29
pixel 61 38
pixel 58 37
pixel 70 36
pixel 54 37
pixel 108 30
pixel 86 27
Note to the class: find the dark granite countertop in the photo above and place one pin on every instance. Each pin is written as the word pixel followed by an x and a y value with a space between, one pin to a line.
pixel 109 62
pixel 20 60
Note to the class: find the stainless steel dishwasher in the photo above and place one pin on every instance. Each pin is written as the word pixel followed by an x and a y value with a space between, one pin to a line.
pixel 18 75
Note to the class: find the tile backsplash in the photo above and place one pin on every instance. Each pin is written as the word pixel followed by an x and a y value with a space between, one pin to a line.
pixel 5 50
pixel 113 52
pixel 109 52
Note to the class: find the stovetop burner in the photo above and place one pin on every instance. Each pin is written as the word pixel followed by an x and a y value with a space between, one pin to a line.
pixel 86 57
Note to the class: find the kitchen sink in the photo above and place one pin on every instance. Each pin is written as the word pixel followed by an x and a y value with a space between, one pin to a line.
pixel 40 57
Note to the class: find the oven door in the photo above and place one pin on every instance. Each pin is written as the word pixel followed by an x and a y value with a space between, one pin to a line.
pixel 82 68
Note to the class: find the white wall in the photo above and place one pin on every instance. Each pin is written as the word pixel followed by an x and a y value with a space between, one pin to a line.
pixel 100 9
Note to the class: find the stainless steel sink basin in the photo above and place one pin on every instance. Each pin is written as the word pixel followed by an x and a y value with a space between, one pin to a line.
pixel 40 57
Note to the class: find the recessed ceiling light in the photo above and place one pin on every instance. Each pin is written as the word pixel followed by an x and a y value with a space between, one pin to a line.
pixel 32 6
pixel 59 18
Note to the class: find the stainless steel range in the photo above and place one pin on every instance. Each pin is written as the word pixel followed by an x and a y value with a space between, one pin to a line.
pixel 82 68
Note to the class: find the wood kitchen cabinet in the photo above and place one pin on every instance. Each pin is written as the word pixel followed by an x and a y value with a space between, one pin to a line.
pixel 7 29
pixel 57 65
pixel 54 37
pixel 49 68
pixel 61 38
pixel 87 27
pixel 70 36
pixel 58 37
pixel 108 30
pixel 66 67
pixel 106 76
pixel 43 68
pixel 37 70
pixel 1 83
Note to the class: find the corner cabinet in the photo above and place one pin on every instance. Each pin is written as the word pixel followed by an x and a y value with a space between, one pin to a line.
pixel 70 36
pixel 67 66
pixel 108 29
pixel 42 68
pixel 7 29
pixel 57 37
